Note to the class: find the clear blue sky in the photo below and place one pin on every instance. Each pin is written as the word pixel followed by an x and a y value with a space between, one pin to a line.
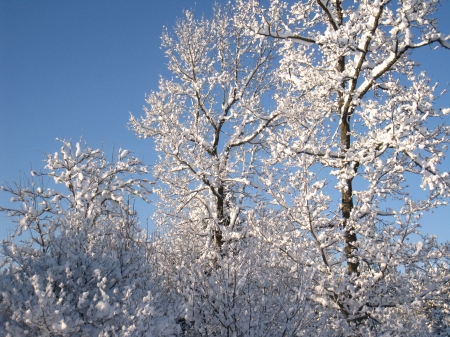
pixel 77 68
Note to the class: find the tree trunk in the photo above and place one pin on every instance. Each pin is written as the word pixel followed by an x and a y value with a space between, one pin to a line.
pixel 223 220
pixel 347 190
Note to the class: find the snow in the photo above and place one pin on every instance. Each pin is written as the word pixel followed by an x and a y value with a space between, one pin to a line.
pixel 267 220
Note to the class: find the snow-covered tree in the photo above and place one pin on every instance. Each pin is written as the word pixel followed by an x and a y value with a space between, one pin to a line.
pixel 360 123
pixel 290 137
pixel 252 291
pixel 81 267
pixel 207 123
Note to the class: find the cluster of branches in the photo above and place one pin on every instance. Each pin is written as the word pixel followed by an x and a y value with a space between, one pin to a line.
pixel 287 137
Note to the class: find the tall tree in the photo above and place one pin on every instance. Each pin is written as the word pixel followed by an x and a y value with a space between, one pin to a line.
pixel 359 117
pixel 207 122
pixel 210 123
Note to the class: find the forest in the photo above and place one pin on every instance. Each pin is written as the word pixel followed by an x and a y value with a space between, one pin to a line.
pixel 298 148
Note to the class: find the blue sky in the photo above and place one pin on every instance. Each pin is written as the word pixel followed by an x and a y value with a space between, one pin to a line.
pixel 77 68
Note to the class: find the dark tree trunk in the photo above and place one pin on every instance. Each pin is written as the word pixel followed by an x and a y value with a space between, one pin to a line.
pixel 223 219
pixel 347 190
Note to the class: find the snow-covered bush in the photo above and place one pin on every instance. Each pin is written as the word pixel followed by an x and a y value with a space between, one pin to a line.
pixel 253 292
pixel 81 267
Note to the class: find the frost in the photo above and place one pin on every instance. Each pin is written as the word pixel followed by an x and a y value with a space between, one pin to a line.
pixel 288 137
